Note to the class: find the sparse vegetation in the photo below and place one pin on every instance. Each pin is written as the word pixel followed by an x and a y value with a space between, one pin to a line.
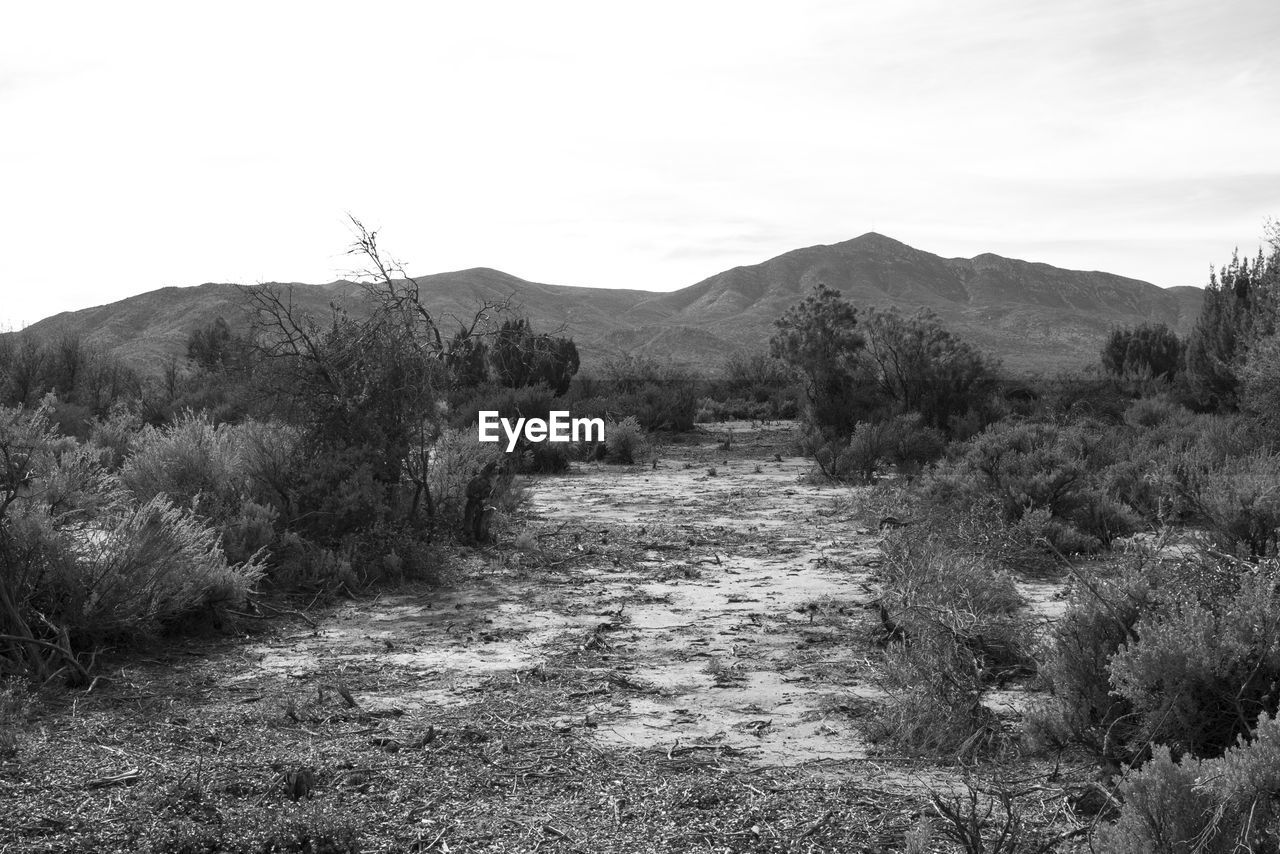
pixel 315 456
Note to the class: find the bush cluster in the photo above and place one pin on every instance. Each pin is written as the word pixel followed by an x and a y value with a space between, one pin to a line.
pixel 86 560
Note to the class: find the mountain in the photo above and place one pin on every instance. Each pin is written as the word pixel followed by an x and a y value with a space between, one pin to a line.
pixel 1033 317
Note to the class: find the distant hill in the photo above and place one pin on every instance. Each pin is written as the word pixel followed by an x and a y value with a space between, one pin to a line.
pixel 1031 316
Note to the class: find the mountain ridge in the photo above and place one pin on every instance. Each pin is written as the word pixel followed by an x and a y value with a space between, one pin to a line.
pixel 1030 315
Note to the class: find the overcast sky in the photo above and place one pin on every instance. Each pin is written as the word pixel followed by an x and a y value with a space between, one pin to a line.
pixel 645 145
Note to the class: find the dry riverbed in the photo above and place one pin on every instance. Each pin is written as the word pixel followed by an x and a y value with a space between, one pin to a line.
pixel 664 657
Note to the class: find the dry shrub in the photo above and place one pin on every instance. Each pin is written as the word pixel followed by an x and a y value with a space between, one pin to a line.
pixel 1183 653
pixel 249 531
pixel 115 434
pixel 84 560
pixel 1026 467
pixel 137 568
pixel 952 632
pixel 305 565
pixel 1239 500
pixel 935 687
pixel 1099 620
pixel 853 459
pixel 1211 806
pixel 191 459
pixel 457 457
pixel 1206 662
pixel 624 441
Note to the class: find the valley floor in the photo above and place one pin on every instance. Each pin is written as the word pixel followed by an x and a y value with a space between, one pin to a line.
pixel 665 657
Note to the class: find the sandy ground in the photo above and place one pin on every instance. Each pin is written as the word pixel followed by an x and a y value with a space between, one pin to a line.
pixel 719 586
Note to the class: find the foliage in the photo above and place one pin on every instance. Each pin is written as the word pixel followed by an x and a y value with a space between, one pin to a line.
pixel 115 434
pixel 1150 350
pixel 1180 653
pixel 951 633
pixel 820 338
pixel 926 370
pixel 1260 382
pixel 1239 500
pixel 1239 309
pixel 1206 659
pixel 192 461
pixel 1027 466
pixel 859 457
pixel 520 357
pixel 457 457
pixel 624 441
pixel 215 347
pixel 1223 804
pixel 754 386
pixel 660 395
pixel 82 560
pixel 86 383
pixel 913 445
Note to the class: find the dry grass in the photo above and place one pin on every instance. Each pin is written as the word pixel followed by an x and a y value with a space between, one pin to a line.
pixel 175 756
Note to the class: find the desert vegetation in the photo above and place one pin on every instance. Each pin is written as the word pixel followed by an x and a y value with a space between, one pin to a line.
pixel 1050 602
pixel 1146 490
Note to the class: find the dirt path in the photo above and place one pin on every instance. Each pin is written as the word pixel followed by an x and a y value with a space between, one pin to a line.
pixel 720 590
pixel 738 605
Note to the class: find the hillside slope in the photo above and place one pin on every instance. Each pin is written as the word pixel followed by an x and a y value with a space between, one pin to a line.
pixel 1031 316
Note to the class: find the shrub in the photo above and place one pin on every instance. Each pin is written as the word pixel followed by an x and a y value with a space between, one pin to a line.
pixel 1151 350
pixel 248 531
pixel 547 458
pixel 192 461
pixel 1026 467
pixel 821 338
pixel 1099 620
pixel 1086 396
pixel 339 493
pixel 914 446
pixel 1183 654
pixel 952 632
pixel 534 401
pixel 1149 412
pixel 1205 662
pixel 1164 811
pixel 138 569
pixel 1223 805
pixel 926 370
pixel 660 395
pixel 456 457
pixel 1239 499
pixel 756 375
pixel 624 441
pixel 855 459
pixel 116 434
pixel 97 564
pixel 734 409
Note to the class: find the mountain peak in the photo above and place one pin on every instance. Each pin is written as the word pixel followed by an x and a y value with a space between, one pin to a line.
pixel 875 240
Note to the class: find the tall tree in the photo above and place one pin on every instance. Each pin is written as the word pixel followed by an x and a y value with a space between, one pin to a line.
pixel 820 337
pixel 1240 308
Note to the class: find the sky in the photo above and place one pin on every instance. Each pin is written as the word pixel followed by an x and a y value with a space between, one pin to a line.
pixel 621 144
